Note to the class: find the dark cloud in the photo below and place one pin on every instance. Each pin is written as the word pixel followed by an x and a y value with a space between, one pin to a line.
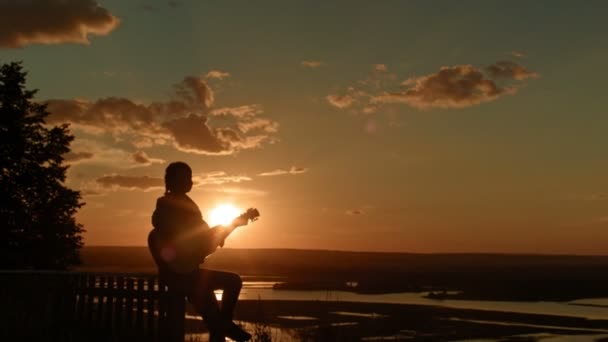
pixel 52 22
pixel 278 172
pixel 73 157
pixel 456 86
pixel 130 182
pixel 145 183
pixel 185 121
pixel 195 92
pixel 193 134
pixel 452 87
pixel 110 113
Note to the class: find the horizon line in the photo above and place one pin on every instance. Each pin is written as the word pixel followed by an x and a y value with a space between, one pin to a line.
pixel 380 252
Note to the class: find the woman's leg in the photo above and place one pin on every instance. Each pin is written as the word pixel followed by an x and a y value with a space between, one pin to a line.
pixel 230 283
pixel 205 302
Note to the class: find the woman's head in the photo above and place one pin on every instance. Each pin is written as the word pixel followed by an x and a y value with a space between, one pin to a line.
pixel 178 178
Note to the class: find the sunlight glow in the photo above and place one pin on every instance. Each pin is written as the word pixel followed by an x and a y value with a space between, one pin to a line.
pixel 223 214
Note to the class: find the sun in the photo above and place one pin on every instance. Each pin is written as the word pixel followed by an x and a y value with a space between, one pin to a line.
pixel 223 214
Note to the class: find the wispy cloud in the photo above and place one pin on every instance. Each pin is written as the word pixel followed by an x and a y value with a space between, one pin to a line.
pixel 355 212
pixel 93 152
pixel 510 70
pixel 340 101
pixel 242 191
pixel 380 67
pixel 217 74
pixel 294 170
pixel 53 22
pixel 142 158
pixel 218 178
pixel 131 182
pixel 312 64
pixel 73 157
pixel 246 111
pixel 146 183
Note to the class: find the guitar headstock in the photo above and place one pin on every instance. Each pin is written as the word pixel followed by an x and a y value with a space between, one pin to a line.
pixel 252 214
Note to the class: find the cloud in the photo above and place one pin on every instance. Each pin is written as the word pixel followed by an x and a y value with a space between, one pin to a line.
pixel 112 113
pixel 218 178
pixel 278 172
pixel 262 124
pixel 312 64
pixel 187 121
pixel 195 92
pixel 193 134
pixel 242 191
pixel 53 22
pixel 355 212
pixel 102 154
pixel 217 74
pixel 452 87
pixel 340 101
pixel 380 67
pixel 510 70
pixel 517 54
pixel 75 157
pixel 455 86
pixel 141 158
pixel 131 182
pixel 239 112
pixel 146 183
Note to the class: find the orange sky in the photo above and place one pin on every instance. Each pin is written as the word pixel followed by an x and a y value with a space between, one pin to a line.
pixel 352 125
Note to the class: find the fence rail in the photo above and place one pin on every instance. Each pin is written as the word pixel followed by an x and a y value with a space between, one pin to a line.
pixel 75 306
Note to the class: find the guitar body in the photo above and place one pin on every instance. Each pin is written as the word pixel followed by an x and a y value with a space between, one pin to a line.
pixel 174 255
pixel 183 254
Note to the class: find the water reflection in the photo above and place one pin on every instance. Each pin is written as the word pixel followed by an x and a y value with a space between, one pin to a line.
pixel 588 308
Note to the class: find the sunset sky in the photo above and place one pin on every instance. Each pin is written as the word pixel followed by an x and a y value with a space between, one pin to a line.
pixel 414 126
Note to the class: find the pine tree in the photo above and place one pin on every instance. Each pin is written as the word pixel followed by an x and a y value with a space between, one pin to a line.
pixel 37 225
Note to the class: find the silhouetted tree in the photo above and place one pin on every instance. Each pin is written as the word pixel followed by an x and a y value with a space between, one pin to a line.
pixel 37 224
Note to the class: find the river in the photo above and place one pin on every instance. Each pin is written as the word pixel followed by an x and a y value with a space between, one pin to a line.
pixel 586 308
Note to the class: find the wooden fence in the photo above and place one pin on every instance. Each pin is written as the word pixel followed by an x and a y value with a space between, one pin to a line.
pixel 69 306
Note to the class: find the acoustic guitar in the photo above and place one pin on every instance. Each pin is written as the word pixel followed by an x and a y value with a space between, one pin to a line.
pixel 183 254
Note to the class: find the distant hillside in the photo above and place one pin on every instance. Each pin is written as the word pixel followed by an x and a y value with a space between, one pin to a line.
pixel 288 261
pixel 474 276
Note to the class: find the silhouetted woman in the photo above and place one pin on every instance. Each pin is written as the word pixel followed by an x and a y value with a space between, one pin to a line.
pixel 181 243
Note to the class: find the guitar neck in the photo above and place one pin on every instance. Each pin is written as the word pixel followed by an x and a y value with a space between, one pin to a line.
pixel 221 232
